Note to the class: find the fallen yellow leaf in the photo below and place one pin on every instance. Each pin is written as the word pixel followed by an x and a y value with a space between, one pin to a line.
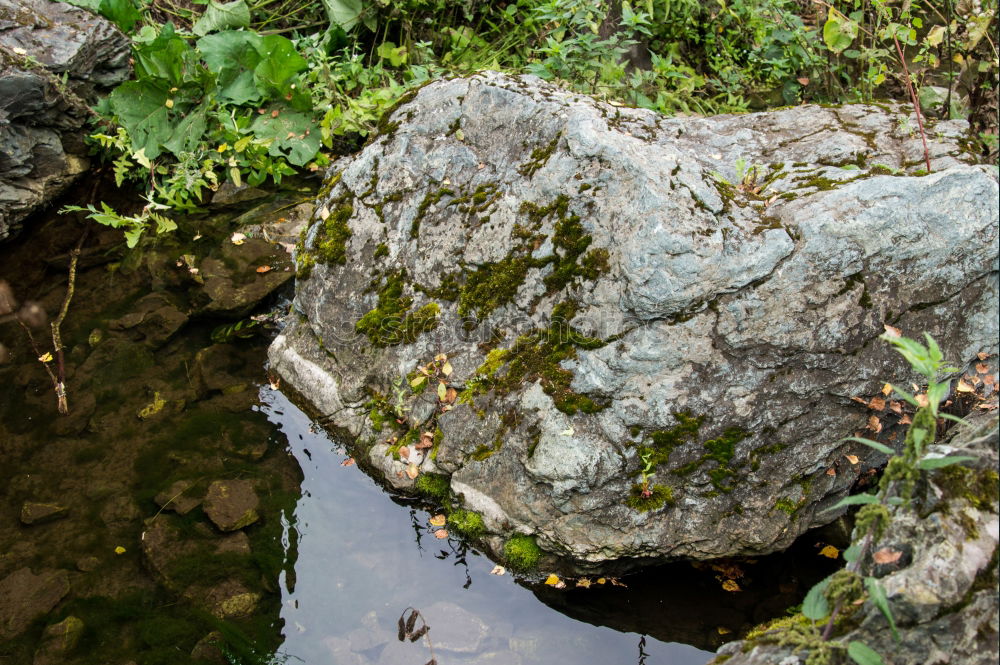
pixel 552 580
pixel 412 471
pixel 730 585
pixel 438 520
pixel 441 534
pixel 120 550
pixel 853 459
pixel 830 552
pixel 886 389
pixel 583 582
pixel 45 357
pixel 722 630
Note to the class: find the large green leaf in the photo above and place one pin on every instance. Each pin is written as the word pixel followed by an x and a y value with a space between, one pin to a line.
pixel 120 12
pixel 232 55
pixel 862 654
pixel 295 135
pixel 345 13
pixel 279 64
pixel 219 16
pixel 839 31
pixel 165 57
pixel 189 132
pixel 878 597
pixel 141 108
pixel 815 606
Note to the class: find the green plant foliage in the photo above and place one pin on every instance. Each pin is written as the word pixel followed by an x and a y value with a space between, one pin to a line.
pixel 468 523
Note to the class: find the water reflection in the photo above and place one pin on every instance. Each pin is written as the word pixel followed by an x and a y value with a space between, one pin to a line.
pixel 355 576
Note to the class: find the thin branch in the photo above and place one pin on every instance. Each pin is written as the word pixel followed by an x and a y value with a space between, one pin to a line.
pixel 916 102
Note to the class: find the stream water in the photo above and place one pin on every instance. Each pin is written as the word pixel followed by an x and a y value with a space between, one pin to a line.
pixel 164 407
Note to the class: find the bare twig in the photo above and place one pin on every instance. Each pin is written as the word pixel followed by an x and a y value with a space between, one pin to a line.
pixel 916 102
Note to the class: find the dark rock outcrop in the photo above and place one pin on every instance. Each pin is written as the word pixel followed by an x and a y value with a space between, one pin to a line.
pixel 43 44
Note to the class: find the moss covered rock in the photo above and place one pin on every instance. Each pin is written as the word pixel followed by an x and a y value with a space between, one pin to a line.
pixel 631 336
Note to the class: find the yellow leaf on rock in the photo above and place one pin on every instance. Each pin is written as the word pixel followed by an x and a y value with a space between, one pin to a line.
pixel 830 552
pixel 442 391
pixel 552 580
pixel 447 368
pixel 886 389
pixel 583 582
pixel 730 585
pixel 964 387
pixel 438 520
pixel 853 459
pixel 722 630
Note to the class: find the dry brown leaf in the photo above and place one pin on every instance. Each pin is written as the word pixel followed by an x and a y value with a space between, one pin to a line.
pixel 348 462
pixel 886 389
pixel 896 407
pixel 498 570
pixel 730 585
pixel 982 368
pixel 982 355
pixel 964 387
pixel 860 400
pixel 887 555
pixel 412 471
pixel 853 459
pixel 831 471
pixel 441 534
pixel 830 552
pixel 404 452
pixel 905 420
pixel 874 424
pixel 438 520
pixel 892 331
pixel 989 379
pixel 450 396
pixel 922 400
pixel 583 582
pixel 263 269
pixel 876 404
pixel 426 441
pixel 441 357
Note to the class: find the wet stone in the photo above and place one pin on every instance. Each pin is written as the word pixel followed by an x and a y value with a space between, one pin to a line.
pixel 58 640
pixel 88 564
pixel 232 283
pixel 207 649
pixel 231 504
pixel 178 498
pixel 233 543
pixel 454 628
pixel 25 596
pixel 33 512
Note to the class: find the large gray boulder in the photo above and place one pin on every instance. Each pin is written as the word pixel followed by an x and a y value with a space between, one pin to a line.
pixel 53 59
pixel 609 284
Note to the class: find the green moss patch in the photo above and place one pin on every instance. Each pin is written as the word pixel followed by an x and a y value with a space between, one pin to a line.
pixel 646 499
pixel 435 486
pixel 391 322
pixel 522 553
pixel 468 523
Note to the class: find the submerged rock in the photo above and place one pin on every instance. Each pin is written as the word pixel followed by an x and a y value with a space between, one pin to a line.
pixel 25 596
pixel 33 512
pixel 618 291
pixel 53 57
pixel 58 640
pixel 231 504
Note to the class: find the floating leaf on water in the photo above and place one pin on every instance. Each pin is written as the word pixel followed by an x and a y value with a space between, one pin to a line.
pixel 722 630
pixel 120 550
pixel 731 585
pixel 264 269
pixel 584 582
pixel 552 580
pixel 348 462
pixel 498 570
pixel 601 580
pixel 238 238
pixel 441 534
pixel 438 520
pixel 830 552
